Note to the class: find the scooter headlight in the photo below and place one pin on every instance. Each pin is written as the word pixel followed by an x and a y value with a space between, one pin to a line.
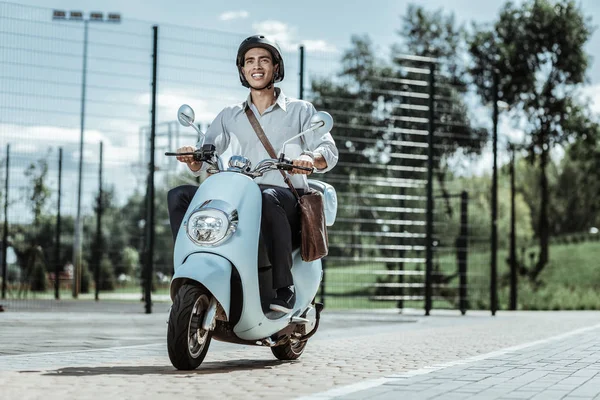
pixel 212 223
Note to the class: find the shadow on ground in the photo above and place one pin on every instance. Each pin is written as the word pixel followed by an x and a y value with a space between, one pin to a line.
pixel 205 368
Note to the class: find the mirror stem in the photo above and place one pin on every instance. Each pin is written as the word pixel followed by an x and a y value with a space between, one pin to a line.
pixel 202 135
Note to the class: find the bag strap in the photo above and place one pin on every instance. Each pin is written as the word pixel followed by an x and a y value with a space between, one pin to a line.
pixel 265 142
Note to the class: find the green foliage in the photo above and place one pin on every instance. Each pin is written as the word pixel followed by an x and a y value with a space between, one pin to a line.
pixel 577 192
pixel 86 278
pixel 536 49
pixel 478 189
pixel 38 276
pixel 567 283
pixel 107 275
pixel 37 193
pixel 131 262
pixel 133 222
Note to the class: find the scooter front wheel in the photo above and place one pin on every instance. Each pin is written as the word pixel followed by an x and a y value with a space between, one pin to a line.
pixel 187 342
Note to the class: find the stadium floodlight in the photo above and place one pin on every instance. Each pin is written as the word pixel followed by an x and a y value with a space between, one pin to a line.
pixel 114 17
pixel 76 15
pixel 59 14
pixel 96 16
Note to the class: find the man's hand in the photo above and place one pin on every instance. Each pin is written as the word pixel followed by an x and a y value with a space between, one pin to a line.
pixel 189 160
pixel 303 161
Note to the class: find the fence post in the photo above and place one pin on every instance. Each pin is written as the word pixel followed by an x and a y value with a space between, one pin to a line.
pixel 99 241
pixel 494 236
pixel 429 228
pixel 301 91
pixel 57 267
pixel 5 233
pixel 150 194
pixel 462 252
pixel 513 241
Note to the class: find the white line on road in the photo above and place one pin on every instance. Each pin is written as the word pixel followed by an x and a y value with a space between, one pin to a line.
pixel 368 384
pixel 140 346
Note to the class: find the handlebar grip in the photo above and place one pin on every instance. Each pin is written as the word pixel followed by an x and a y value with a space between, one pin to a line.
pixel 179 154
pixel 290 167
pixel 303 168
pixel 285 167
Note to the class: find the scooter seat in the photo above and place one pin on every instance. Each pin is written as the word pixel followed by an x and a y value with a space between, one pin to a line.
pixel 329 199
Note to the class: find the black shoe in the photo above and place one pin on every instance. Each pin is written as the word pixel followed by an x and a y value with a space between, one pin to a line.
pixel 284 302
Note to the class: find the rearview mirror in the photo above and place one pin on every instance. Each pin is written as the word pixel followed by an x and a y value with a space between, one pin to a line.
pixel 321 122
pixel 186 115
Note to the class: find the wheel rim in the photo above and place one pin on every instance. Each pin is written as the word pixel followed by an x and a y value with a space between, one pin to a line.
pixel 298 347
pixel 196 335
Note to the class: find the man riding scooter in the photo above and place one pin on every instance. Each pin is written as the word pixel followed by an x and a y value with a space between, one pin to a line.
pixel 260 66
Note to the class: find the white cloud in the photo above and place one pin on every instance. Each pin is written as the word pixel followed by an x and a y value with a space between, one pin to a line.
pixel 286 37
pixel 121 170
pixel 319 45
pixel 231 15
pixel 169 102
pixel 40 138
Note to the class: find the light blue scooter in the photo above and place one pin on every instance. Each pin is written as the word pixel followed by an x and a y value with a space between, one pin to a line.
pixel 221 288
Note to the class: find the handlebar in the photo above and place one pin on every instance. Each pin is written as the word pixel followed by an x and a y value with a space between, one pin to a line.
pixel 206 153
pixel 290 167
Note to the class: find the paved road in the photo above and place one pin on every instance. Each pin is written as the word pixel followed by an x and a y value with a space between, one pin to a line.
pixel 98 355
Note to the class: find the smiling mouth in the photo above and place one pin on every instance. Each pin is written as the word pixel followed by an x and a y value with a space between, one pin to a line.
pixel 257 76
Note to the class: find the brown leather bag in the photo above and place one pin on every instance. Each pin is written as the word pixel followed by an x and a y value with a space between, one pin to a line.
pixel 313 230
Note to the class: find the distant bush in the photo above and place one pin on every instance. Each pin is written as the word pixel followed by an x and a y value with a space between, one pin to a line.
pixel 86 277
pixel 107 275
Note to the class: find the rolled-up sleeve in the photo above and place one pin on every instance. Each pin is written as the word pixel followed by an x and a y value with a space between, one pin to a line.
pixel 322 144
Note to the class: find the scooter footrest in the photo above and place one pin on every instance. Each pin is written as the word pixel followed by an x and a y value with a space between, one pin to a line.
pixel 299 320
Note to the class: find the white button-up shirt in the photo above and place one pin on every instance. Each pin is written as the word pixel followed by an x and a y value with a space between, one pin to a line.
pixel 281 121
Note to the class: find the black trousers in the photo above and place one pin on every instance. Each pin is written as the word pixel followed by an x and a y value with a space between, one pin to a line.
pixel 280 225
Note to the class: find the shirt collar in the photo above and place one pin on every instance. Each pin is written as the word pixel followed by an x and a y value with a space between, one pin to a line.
pixel 281 100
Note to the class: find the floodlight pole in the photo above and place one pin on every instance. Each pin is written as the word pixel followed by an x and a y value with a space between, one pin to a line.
pixel 77 256
pixel 78 222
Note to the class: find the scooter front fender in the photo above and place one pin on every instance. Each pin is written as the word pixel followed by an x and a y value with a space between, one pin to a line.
pixel 210 270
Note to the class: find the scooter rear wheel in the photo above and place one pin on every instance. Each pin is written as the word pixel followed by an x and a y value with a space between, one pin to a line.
pixel 187 342
pixel 288 351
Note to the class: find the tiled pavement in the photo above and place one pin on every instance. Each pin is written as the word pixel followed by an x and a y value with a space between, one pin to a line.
pixel 62 355
pixel 563 367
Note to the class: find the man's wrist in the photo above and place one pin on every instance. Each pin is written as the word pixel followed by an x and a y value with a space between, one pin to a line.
pixel 195 168
pixel 309 154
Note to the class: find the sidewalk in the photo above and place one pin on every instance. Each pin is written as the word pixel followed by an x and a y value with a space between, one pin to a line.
pixel 566 366
pixel 354 356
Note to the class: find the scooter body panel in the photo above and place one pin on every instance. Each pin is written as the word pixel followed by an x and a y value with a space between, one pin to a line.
pixel 211 270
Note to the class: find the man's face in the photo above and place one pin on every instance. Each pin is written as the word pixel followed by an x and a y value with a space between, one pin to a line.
pixel 258 67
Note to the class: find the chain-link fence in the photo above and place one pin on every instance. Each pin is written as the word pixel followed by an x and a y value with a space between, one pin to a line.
pixel 71 84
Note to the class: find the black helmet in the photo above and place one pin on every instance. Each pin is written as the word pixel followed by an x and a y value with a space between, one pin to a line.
pixel 260 41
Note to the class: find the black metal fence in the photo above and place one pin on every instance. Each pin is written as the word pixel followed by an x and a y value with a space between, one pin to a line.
pixel 402 236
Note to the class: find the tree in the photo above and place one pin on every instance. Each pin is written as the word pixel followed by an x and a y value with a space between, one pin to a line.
pixel 32 242
pixel 536 50
pixel 577 192
pixel 38 193
pixel 436 35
